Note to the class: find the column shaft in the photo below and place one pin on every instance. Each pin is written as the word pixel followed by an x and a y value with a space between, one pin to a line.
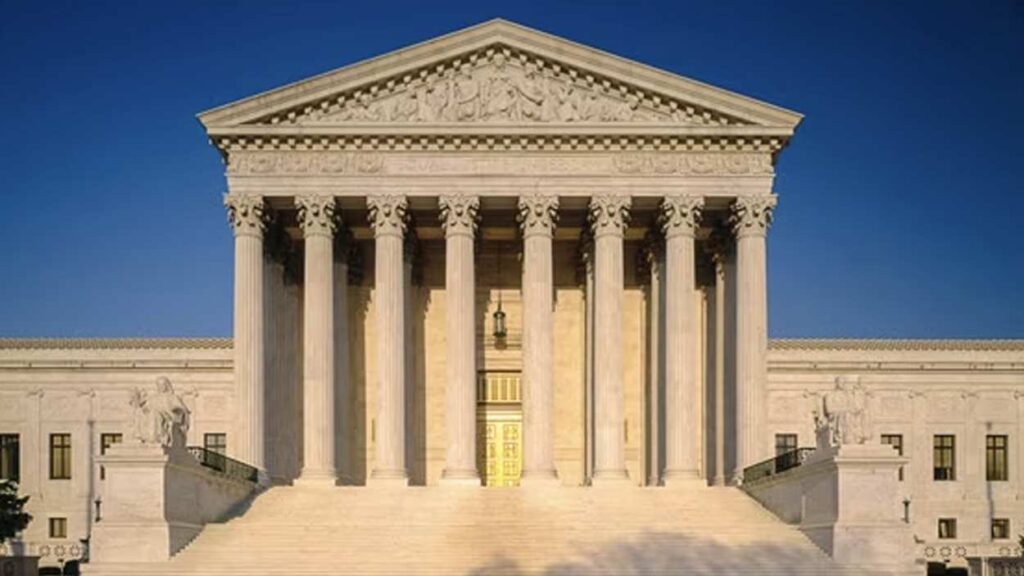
pixel 537 217
pixel 719 354
pixel 459 218
pixel 317 219
pixel 388 217
pixel 679 218
pixel 608 217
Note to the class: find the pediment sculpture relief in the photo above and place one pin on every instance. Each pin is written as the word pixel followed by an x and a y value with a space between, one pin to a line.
pixel 501 88
pixel 159 417
pixel 842 416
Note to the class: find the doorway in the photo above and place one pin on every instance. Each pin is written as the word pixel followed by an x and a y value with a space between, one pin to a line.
pixel 499 425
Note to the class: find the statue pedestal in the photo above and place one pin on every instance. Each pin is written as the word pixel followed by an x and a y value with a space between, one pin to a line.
pixel 156 499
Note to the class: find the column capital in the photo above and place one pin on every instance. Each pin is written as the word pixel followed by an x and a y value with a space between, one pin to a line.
pixel 537 214
pixel 317 215
pixel 680 215
pixel 460 214
pixel 388 214
pixel 609 214
pixel 247 215
pixel 751 215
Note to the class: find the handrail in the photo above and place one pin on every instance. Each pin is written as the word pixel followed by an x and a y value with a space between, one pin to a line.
pixel 227 466
pixel 774 466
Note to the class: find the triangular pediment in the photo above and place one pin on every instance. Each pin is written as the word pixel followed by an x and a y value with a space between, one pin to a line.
pixel 495 74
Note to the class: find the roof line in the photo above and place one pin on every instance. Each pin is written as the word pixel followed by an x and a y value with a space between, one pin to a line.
pixel 978 344
pixel 115 343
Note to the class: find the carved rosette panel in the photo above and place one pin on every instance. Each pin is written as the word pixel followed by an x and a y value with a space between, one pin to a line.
pixel 609 214
pixel 460 214
pixel 247 215
pixel 316 215
pixel 751 215
pixel 537 214
pixel 680 215
pixel 388 214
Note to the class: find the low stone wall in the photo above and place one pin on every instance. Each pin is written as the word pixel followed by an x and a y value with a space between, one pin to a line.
pixel 156 500
pixel 19 565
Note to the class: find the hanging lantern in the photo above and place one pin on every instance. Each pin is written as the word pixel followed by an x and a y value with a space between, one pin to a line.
pixel 499 321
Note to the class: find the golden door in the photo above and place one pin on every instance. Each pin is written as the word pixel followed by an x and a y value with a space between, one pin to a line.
pixel 500 446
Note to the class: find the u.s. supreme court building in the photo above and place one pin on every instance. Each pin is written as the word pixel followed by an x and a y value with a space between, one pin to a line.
pixel 500 308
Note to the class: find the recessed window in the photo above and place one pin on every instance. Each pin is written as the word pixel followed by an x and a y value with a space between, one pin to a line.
pixel 106 441
pixel 944 457
pixel 996 463
pixel 216 442
pixel 10 457
pixel 58 527
pixel 947 528
pixel 60 456
pixel 1000 528
pixel 785 443
pixel 896 441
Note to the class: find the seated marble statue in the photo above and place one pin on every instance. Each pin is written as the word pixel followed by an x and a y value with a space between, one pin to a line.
pixel 159 418
pixel 842 417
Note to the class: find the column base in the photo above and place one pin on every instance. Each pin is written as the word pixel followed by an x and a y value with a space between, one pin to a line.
pixel 682 479
pixel 611 478
pixel 539 479
pixel 388 479
pixel 316 480
pixel 465 478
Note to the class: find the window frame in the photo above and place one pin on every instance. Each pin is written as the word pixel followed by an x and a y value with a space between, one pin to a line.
pixel 10 468
pixel 939 456
pixel 114 438
pixel 898 445
pixel 997 457
pixel 64 469
pixel 55 522
pixel 999 522
pixel 781 442
pixel 216 447
pixel 948 523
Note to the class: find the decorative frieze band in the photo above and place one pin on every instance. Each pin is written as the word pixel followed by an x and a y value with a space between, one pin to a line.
pixel 680 214
pixel 609 214
pixel 388 214
pixel 460 214
pixel 316 215
pixel 751 215
pixel 247 215
pixel 537 214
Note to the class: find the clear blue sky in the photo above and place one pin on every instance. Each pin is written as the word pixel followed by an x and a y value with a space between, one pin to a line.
pixel 901 198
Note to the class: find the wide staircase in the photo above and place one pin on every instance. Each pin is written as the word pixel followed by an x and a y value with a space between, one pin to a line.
pixel 458 531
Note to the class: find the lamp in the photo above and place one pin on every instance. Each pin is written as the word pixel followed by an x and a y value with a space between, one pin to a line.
pixel 500 331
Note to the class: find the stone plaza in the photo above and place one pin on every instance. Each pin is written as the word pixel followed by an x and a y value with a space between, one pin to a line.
pixel 500 307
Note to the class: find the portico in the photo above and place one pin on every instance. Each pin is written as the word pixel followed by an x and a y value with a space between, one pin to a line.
pixel 500 166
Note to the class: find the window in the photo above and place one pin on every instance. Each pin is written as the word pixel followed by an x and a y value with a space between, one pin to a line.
pixel 106 441
pixel 60 456
pixel 784 443
pixel 944 457
pixel 996 468
pixel 947 528
pixel 896 441
pixel 10 457
pixel 58 527
pixel 1000 528
pixel 216 442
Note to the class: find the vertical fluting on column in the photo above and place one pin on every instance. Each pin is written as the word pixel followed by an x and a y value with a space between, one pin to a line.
pixel 609 216
pixel 679 219
pixel 387 216
pixel 537 218
pixel 751 216
pixel 716 249
pixel 248 218
pixel 459 217
pixel 343 242
pixel 316 215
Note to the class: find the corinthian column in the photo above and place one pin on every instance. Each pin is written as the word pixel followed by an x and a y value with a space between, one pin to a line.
pixel 716 248
pixel 248 218
pixel 387 215
pixel 459 219
pixel 318 223
pixel 751 217
pixel 537 218
pixel 680 216
pixel 608 218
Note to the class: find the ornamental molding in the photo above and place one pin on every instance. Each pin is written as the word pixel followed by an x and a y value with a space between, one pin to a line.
pixel 752 215
pixel 247 215
pixel 537 214
pixel 680 215
pixel 609 214
pixel 363 164
pixel 856 344
pixel 388 214
pixel 317 215
pixel 460 214
pixel 115 343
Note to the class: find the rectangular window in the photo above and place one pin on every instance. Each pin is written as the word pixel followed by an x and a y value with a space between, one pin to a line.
pixel 947 528
pixel 996 464
pixel 1000 528
pixel 896 441
pixel 58 527
pixel 944 457
pixel 106 441
pixel 60 456
pixel 10 457
pixel 785 443
pixel 216 442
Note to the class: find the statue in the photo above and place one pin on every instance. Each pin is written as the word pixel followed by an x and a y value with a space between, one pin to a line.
pixel 842 417
pixel 159 418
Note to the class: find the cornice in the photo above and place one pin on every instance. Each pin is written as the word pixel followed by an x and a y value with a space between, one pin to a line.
pixel 115 343
pixel 898 345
